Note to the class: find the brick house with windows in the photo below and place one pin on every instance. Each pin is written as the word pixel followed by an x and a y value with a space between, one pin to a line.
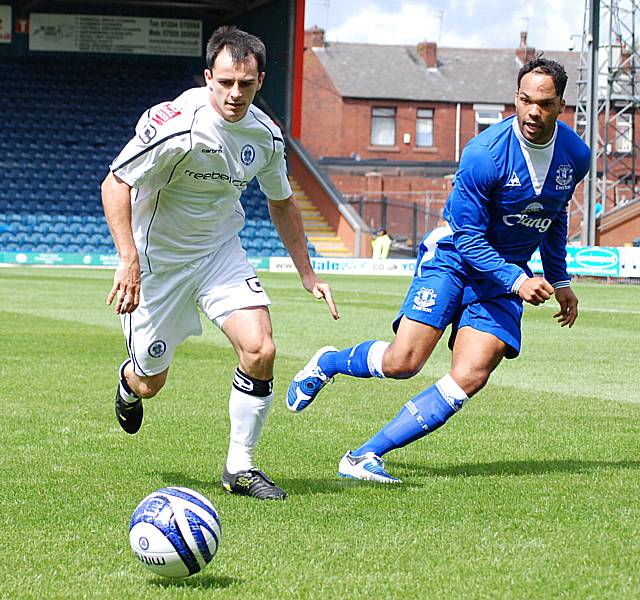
pixel 391 121
pixel 409 103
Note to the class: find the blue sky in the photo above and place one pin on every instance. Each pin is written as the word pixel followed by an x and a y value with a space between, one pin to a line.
pixel 452 23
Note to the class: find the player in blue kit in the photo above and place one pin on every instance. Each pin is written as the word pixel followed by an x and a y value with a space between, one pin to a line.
pixel 510 197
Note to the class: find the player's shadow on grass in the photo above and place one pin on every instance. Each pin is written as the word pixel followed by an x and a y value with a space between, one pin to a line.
pixel 515 467
pixel 198 582
pixel 292 485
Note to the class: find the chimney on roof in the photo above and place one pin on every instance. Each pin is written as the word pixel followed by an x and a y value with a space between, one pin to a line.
pixel 524 53
pixel 428 52
pixel 314 37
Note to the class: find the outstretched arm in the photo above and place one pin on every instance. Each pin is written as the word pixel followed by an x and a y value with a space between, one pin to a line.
pixel 116 200
pixel 285 215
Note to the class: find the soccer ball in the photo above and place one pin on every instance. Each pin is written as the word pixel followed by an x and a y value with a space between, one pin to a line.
pixel 175 532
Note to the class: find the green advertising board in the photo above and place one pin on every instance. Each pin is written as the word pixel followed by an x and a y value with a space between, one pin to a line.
pixel 591 260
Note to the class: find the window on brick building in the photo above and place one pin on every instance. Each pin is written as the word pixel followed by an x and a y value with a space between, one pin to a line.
pixel 383 126
pixel 487 115
pixel 624 122
pixel 424 127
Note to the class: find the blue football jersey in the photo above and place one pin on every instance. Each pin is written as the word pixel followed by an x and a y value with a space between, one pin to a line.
pixel 501 210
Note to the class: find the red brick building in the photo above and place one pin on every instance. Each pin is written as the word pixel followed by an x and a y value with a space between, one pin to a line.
pixel 388 123
pixel 405 103
pixel 391 121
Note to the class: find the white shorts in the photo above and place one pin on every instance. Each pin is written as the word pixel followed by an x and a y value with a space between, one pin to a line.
pixel 219 284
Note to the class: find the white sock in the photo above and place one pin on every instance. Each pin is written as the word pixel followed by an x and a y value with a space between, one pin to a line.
pixel 247 414
pixel 374 358
pixel 125 391
pixel 452 392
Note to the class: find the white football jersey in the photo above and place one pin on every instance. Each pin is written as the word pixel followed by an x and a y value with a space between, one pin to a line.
pixel 187 168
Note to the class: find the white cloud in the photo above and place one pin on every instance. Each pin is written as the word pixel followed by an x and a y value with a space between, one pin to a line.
pixel 408 25
pixel 454 23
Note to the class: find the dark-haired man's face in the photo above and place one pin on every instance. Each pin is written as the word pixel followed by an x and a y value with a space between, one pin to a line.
pixel 537 107
pixel 232 87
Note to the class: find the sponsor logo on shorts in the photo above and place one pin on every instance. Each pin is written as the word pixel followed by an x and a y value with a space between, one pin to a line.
pixel 247 154
pixel 157 349
pixel 424 299
pixel 254 285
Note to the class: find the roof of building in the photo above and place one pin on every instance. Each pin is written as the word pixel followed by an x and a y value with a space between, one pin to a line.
pixel 463 74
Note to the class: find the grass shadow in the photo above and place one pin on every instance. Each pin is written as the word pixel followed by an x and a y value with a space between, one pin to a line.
pixel 516 468
pixel 306 486
pixel 294 486
pixel 205 582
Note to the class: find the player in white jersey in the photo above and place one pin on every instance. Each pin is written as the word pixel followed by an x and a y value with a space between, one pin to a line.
pixel 172 202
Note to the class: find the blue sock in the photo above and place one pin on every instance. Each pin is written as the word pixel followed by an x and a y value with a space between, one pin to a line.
pixel 351 361
pixel 421 415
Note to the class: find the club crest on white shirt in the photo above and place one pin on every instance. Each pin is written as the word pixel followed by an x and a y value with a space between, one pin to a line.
pixel 424 299
pixel 564 177
pixel 247 154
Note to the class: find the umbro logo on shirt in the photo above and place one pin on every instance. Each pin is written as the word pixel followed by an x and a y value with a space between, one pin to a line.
pixel 514 181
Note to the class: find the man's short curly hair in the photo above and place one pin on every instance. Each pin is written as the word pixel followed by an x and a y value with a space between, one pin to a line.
pixel 555 70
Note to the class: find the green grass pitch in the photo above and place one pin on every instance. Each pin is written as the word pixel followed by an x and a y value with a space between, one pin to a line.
pixel 533 491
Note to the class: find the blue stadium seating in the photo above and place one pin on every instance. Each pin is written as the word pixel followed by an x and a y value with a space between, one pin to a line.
pixel 51 168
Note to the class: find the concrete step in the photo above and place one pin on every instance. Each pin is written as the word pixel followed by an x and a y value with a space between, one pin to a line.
pixel 323 253
pixel 318 231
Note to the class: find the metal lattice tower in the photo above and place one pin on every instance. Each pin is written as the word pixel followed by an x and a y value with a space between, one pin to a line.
pixel 608 89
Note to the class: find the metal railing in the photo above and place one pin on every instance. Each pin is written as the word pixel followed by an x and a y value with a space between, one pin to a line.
pixel 406 216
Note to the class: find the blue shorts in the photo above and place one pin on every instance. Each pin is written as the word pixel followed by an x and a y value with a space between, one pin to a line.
pixel 444 291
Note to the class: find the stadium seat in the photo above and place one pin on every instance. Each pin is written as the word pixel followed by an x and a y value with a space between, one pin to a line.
pixel 71 150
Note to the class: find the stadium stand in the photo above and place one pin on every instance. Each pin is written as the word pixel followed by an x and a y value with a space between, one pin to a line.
pixel 63 122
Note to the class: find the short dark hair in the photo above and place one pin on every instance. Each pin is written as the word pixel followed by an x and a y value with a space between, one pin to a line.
pixel 240 45
pixel 546 66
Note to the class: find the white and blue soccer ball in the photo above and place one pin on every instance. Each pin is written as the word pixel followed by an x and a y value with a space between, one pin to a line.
pixel 175 532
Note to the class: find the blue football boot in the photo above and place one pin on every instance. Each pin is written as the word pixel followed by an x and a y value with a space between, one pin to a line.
pixel 308 382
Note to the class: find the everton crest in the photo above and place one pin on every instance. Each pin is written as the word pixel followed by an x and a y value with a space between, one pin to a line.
pixel 424 299
pixel 564 177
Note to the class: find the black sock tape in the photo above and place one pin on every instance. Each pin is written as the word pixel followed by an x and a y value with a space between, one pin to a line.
pixel 248 385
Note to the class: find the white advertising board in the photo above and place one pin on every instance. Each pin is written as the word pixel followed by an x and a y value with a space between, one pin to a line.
pixel 116 35
pixel 5 24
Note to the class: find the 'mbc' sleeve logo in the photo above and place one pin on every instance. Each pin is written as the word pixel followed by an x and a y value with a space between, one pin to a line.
pixel 165 113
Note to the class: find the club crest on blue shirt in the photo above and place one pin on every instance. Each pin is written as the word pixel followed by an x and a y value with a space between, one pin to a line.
pixel 564 177
pixel 424 299
pixel 247 154
pixel 157 349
